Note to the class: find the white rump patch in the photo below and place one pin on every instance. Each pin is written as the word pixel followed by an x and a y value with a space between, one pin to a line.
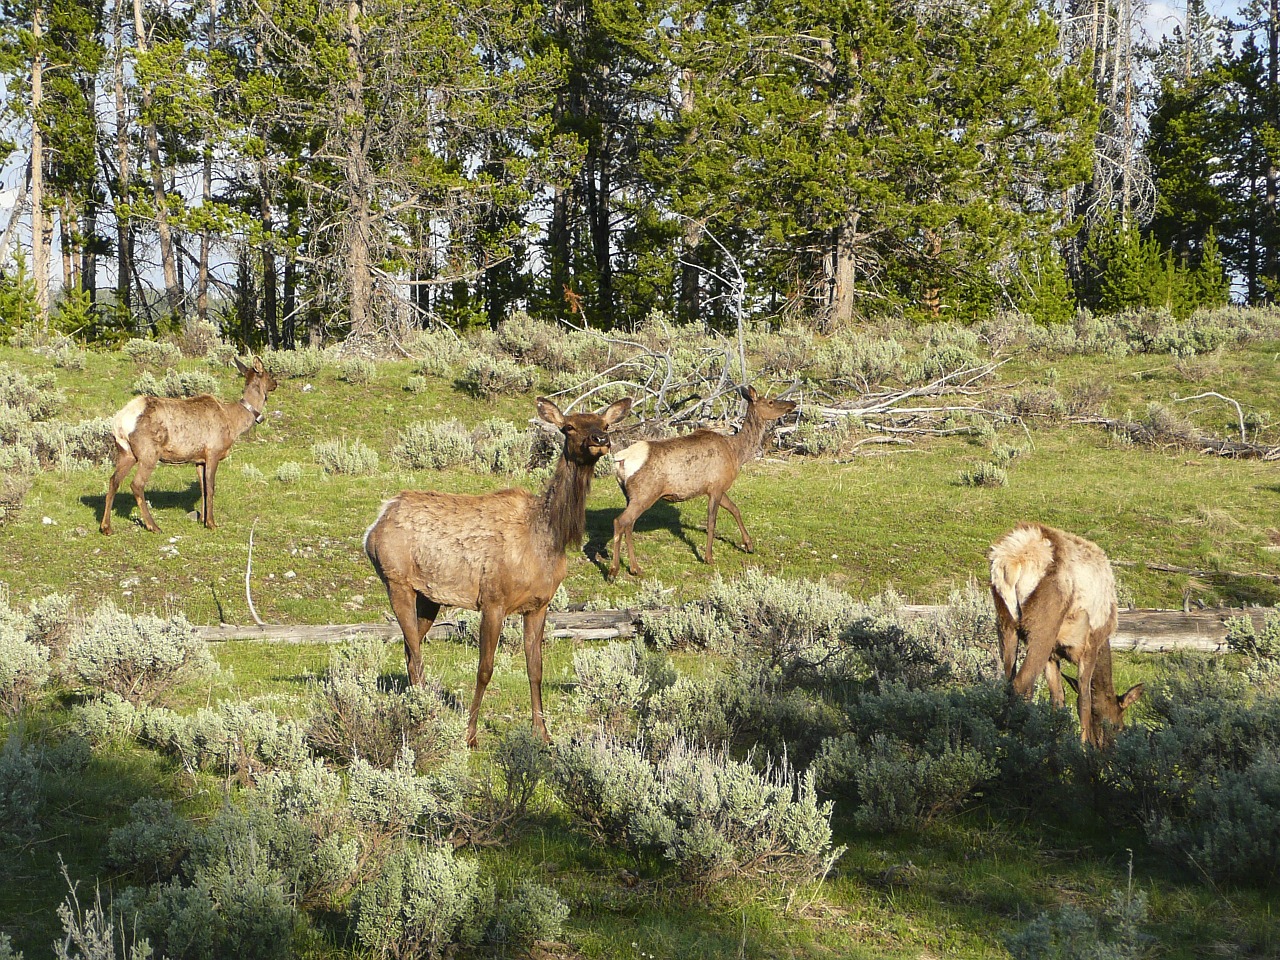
pixel 1018 564
pixel 626 463
pixel 124 423
pixel 378 520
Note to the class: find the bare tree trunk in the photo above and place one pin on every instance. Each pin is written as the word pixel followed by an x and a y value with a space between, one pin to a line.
pixel 23 187
pixel 168 260
pixel 1269 260
pixel 124 236
pixel 842 272
pixel 206 188
pixel 690 306
pixel 289 325
pixel 39 251
pixel 66 217
pixel 359 219
pixel 598 207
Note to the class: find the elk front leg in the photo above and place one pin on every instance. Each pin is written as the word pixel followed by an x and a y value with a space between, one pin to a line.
pixel 1084 701
pixel 1053 677
pixel 624 525
pixel 210 477
pixel 747 543
pixel 490 631
pixel 533 628
pixel 124 463
pixel 1008 629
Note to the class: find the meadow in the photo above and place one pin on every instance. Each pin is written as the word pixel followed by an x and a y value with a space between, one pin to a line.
pixel 953 847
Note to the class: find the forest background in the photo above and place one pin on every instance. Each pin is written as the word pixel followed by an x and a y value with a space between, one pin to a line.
pixel 299 171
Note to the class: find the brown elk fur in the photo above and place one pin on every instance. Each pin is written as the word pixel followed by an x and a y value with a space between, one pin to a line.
pixel 1056 593
pixel 702 463
pixel 499 553
pixel 199 430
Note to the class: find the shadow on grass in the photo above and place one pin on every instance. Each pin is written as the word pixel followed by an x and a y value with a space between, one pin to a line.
pixel 79 809
pixel 662 516
pixel 162 501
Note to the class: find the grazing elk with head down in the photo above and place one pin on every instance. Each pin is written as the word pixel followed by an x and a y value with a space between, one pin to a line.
pixel 1055 591
pixel 701 463
pixel 499 553
pixel 199 430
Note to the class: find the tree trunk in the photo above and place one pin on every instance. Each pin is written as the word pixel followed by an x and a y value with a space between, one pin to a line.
pixel 270 315
pixel 66 217
pixel 842 273
pixel 1270 258
pixel 23 187
pixel 39 252
pixel 359 217
pixel 598 190
pixel 289 321
pixel 168 259
pixel 206 187
pixel 124 236
pixel 689 309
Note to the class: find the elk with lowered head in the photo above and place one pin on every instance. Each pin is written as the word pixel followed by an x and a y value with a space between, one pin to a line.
pixel 1056 593
pixel 499 553
pixel 199 430
pixel 701 463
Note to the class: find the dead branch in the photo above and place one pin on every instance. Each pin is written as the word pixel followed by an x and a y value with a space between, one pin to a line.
pixel 248 569
pixel 1192 439
pixel 1212 393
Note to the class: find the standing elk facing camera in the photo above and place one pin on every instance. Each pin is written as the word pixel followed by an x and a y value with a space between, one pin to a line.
pixel 199 430
pixel 499 553
pixel 702 463
pixel 1056 593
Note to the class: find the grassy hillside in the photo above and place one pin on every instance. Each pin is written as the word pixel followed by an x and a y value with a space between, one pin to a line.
pixel 863 517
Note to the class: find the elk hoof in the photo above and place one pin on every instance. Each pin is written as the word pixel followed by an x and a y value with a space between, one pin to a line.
pixel 637 570
pixel 749 547
pixel 106 529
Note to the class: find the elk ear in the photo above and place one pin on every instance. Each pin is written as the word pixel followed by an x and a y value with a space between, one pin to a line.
pixel 1073 683
pixel 549 412
pixel 748 394
pixel 257 364
pixel 616 411
pixel 1131 696
pixel 240 366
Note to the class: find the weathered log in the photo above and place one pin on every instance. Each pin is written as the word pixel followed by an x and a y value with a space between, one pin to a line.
pixel 1146 631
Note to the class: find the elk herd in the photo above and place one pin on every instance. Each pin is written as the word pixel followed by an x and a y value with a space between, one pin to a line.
pixel 505 552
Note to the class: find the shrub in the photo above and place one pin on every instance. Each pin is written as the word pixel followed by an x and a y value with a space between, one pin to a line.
pixel 985 474
pixel 180 919
pixel 6 948
pixel 522 761
pixel 1260 649
pixel 33 396
pixel 356 716
pixel 359 371
pixel 422 901
pixel 340 457
pixel 1072 934
pixel 21 788
pixel 24 663
pixel 252 474
pixel 105 719
pixel 157 354
pixel 293 364
pixel 289 472
pixel 13 489
pixel 433 446
pixel 176 383
pixel 91 934
pixel 232 737
pixel 151 844
pixel 862 361
pixel 711 816
pixel 488 377
pixel 532 912
pixel 139 658
pixel 396 801
pixel 503 447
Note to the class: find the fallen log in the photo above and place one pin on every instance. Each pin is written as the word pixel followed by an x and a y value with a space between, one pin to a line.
pixel 1146 631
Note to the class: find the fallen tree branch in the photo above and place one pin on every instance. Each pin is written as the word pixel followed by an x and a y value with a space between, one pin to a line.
pixel 1191 571
pixel 1194 439
pixel 1244 437
pixel 248 569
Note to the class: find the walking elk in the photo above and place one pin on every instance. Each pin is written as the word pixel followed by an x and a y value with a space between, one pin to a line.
pixel 1055 592
pixel 699 463
pixel 199 430
pixel 499 553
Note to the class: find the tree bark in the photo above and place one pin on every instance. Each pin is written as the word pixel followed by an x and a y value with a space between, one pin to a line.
pixel 124 236
pixel 359 219
pixel 206 187
pixel 842 272
pixel 39 252
pixel 168 259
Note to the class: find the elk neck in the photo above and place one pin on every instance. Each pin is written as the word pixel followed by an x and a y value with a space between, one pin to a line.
pixel 562 512
pixel 746 442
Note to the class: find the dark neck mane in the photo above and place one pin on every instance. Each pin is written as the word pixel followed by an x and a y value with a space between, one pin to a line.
pixel 747 440
pixel 563 508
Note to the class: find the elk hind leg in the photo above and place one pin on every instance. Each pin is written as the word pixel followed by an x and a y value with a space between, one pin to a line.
pixel 146 466
pixel 404 604
pixel 747 543
pixel 124 463
pixel 624 526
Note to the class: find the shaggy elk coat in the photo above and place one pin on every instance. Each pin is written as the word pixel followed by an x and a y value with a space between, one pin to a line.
pixel 701 463
pixel 199 430
pixel 499 553
pixel 1056 593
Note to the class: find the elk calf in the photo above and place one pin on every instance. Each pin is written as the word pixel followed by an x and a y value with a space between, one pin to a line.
pixel 700 463
pixel 499 553
pixel 1055 591
pixel 199 430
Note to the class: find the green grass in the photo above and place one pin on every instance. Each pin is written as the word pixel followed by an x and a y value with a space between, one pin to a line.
pixel 888 518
